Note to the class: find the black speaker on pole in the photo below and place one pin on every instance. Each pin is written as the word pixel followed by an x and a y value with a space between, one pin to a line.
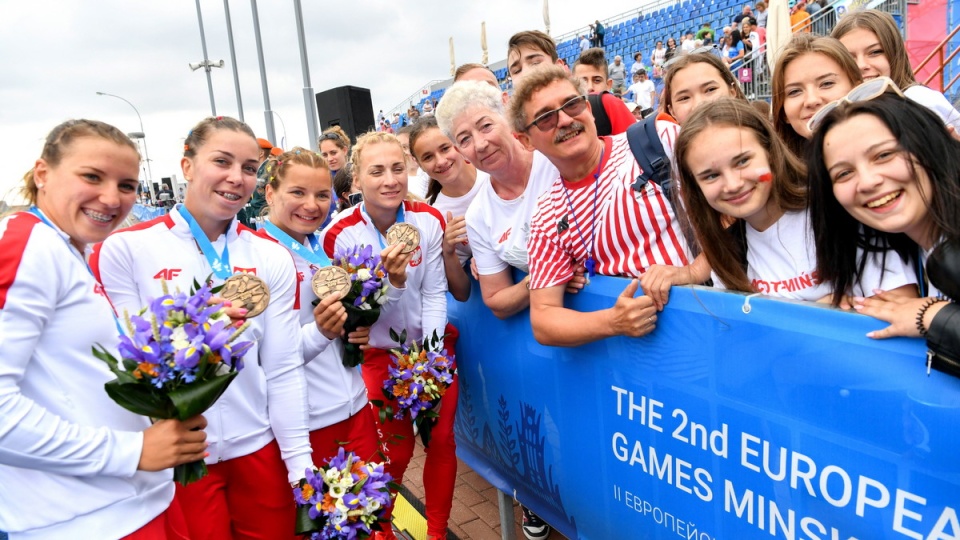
pixel 349 107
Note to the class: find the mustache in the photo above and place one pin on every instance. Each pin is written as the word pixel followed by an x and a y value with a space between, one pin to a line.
pixel 574 127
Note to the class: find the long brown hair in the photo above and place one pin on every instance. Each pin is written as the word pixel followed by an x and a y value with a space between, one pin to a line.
pixel 888 35
pixel 800 45
pixel 59 140
pixel 418 130
pixel 723 243
pixel 679 62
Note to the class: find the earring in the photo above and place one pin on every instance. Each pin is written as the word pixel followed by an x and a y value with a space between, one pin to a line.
pixel 39 186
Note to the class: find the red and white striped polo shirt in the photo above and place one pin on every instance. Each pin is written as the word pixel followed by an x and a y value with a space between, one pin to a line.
pixel 633 230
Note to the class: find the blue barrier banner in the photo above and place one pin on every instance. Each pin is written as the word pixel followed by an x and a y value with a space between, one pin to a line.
pixel 734 419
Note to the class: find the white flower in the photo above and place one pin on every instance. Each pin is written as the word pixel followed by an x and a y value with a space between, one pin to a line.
pixel 337 491
pixel 179 339
pixel 331 476
pixel 364 274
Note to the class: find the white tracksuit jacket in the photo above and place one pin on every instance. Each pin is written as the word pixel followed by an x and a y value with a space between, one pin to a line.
pixel 334 393
pixel 68 453
pixel 421 306
pixel 268 398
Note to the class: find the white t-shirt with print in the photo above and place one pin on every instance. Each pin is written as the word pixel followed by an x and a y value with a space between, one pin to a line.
pixel 782 261
pixel 458 207
pixel 498 229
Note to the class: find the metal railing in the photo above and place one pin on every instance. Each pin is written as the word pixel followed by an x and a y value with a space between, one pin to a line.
pixel 608 22
pixel 943 62
pixel 822 23
pixel 412 98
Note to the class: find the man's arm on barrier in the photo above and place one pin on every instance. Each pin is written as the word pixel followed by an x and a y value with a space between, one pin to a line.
pixel 558 326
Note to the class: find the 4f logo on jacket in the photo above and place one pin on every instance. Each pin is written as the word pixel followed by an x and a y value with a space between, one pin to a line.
pixel 168 274
pixel 562 225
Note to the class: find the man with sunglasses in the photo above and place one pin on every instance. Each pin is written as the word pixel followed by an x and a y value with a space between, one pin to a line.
pixel 591 217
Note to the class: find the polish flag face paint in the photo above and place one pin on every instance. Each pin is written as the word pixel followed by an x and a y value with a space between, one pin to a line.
pixel 764 175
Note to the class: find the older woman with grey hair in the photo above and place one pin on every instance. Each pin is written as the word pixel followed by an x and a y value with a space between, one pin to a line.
pixel 498 220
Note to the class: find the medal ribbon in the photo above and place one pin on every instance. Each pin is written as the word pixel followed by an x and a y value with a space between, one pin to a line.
pixel 113 311
pixel 312 253
pixel 363 209
pixel 220 264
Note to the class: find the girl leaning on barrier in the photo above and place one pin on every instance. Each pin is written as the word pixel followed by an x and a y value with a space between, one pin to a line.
pixel 745 195
pixel 888 163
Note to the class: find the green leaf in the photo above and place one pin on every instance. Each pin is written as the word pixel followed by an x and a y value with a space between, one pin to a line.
pixel 304 524
pixel 189 473
pixel 129 365
pixel 195 398
pixel 140 398
pixel 108 358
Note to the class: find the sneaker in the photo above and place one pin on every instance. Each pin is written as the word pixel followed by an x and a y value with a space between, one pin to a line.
pixel 534 528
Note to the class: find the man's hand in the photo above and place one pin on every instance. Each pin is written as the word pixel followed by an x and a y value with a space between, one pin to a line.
pixel 578 281
pixel 631 316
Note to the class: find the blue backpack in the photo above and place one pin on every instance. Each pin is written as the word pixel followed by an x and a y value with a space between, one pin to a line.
pixel 648 150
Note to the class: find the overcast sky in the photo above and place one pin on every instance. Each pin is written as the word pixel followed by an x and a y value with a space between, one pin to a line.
pixel 55 56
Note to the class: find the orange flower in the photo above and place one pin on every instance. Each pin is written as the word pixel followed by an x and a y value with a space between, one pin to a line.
pixel 145 368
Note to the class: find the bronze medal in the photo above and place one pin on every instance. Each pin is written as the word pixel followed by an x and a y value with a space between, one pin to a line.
pixel 331 279
pixel 246 291
pixel 404 233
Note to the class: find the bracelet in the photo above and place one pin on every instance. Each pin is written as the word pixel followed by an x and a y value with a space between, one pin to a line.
pixel 923 311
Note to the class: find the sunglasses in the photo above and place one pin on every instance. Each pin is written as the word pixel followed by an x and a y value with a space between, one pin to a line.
pixel 549 119
pixel 871 89
pixel 329 137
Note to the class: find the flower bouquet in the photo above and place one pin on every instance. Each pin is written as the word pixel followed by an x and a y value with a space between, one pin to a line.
pixel 368 291
pixel 344 499
pixel 419 377
pixel 178 359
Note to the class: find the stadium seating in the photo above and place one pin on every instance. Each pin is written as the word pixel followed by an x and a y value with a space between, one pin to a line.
pixel 626 37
